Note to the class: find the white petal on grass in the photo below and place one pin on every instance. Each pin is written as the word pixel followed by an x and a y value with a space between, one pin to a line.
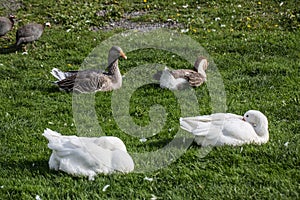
pixel 217 19
pixel 51 123
pixel 286 144
pixel 148 179
pixel 184 30
pixel 281 4
pixel 143 139
pixel 2 186
pixel 239 6
pixel 37 197
pixel 153 197
pixel 25 53
pixel 68 30
pixel 105 188
pixel 185 6
pixel 223 25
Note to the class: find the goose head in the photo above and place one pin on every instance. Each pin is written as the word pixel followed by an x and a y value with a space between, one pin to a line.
pixel 201 65
pixel 114 53
pixel 258 121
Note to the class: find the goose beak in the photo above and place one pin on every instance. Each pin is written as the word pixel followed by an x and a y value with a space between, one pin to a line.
pixel 122 54
pixel 243 119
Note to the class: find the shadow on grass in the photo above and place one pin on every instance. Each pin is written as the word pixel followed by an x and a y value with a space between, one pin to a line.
pixel 10 49
pixel 50 88
pixel 34 166
pixel 176 142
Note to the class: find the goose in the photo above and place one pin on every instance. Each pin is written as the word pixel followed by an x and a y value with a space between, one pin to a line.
pixel 92 80
pixel 30 33
pixel 6 24
pixel 228 129
pixel 87 156
pixel 182 78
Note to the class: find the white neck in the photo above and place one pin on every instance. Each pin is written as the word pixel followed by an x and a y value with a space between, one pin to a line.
pixel 201 67
pixel 262 131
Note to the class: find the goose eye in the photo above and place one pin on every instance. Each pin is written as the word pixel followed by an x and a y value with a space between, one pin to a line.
pixel 247 115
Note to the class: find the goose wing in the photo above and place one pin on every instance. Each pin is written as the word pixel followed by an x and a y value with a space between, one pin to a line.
pixel 194 78
pixel 89 81
pixel 218 129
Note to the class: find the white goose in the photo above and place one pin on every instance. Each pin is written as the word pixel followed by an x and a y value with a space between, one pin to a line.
pixel 228 129
pixel 88 156
pixel 182 78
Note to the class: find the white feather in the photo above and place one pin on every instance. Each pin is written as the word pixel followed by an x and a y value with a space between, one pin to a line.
pixel 58 74
pixel 167 80
pixel 88 156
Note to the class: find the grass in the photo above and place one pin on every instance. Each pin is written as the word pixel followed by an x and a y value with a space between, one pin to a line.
pixel 255 46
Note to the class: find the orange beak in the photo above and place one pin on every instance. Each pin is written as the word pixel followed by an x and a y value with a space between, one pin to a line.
pixel 122 54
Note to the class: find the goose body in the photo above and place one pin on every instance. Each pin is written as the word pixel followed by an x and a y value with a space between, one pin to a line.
pixel 92 80
pixel 88 156
pixel 6 24
pixel 30 33
pixel 182 78
pixel 228 129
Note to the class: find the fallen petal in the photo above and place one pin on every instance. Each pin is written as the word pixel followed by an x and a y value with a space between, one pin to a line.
pixel 105 188
pixel 148 179
pixel 37 197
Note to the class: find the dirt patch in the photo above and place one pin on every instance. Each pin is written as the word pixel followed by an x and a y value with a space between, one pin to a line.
pixel 11 6
pixel 126 23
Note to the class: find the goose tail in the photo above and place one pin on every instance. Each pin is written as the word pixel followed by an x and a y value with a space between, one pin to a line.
pixel 52 136
pixel 199 125
pixel 167 80
pixel 58 74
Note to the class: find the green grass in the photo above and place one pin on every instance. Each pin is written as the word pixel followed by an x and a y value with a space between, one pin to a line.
pixel 256 52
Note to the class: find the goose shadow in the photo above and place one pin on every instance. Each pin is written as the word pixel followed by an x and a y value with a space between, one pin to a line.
pixel 36 167
pixel 178 142
pixel 10 49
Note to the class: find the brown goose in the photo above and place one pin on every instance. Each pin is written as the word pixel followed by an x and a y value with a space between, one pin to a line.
pixel 6 24
pixel 30 33
pixel 92 80
pixel 181 78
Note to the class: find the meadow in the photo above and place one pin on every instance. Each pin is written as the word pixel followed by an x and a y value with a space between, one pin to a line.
pixel 255 47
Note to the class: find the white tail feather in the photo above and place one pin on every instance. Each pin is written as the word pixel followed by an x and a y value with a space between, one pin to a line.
pixel 51 135
pixel 58 74
pixel 168 81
